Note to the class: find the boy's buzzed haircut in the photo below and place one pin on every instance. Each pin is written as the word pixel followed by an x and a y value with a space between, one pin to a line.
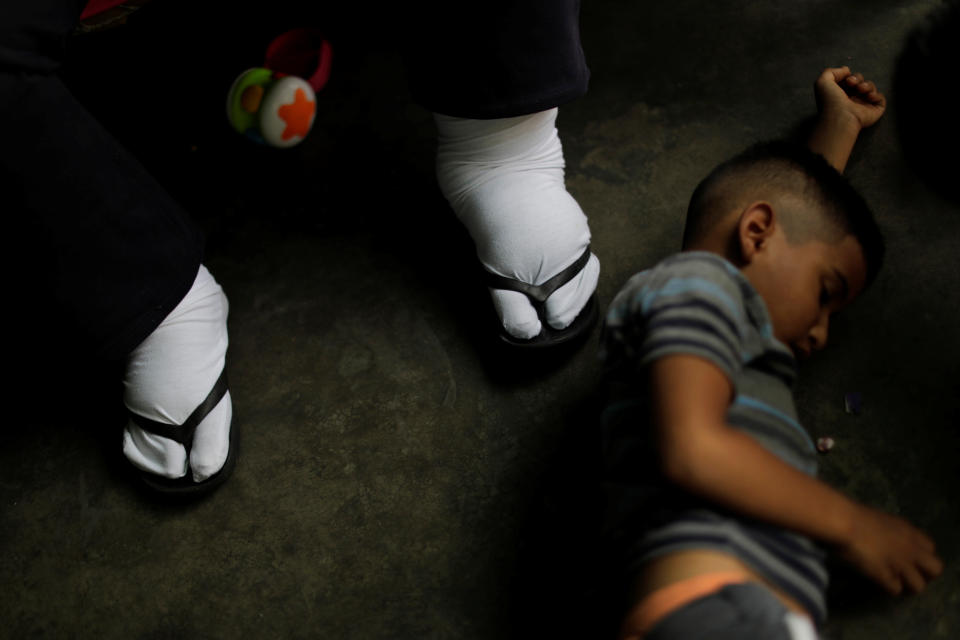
pixel 780 169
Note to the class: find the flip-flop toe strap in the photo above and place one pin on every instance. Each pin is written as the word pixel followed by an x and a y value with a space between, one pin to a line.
pixel 538 294
pixel 183 433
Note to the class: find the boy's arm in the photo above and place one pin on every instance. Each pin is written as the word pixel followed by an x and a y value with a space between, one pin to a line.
pixel 846 104
pixel 705 456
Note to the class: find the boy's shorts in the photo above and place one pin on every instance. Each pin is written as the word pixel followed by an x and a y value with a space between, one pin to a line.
pixel 743 611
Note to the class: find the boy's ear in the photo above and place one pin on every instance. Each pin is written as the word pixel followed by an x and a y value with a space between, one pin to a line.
pixel 757 223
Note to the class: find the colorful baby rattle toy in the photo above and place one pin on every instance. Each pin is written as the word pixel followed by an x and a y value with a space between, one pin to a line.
pixel 275 104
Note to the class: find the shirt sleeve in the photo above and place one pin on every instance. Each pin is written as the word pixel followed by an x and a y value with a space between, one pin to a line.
pixel 687 306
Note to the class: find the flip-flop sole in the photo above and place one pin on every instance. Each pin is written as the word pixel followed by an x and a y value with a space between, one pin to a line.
pixel 550 337
pixel 185 486
pixel 538 294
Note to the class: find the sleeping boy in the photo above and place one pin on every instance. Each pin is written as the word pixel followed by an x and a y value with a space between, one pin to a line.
pixel 714 499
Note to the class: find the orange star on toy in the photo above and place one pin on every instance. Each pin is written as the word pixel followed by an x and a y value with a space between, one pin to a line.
pixel 297 115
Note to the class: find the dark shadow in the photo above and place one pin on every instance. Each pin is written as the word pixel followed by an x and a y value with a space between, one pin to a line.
pixel 851 594
pixel 562 587
pixel 924 108
pixel 63 392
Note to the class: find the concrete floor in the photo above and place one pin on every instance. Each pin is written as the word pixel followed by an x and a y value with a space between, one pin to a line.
pixel 400 476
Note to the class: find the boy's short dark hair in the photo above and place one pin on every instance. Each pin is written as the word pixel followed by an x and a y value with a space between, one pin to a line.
pixel 781 169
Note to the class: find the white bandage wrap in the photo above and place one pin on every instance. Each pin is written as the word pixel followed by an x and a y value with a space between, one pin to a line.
pixel 169 374
pixel 504 180
pixel 799 626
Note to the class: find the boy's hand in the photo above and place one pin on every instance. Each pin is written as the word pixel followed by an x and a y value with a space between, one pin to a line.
pixel 847 103
pixel 839 93
pixel 891 551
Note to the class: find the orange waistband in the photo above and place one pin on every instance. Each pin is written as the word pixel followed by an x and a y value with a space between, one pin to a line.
pixel 646 613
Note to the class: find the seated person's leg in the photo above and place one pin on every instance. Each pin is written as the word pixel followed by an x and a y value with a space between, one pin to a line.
pixel 497 72
pixel 117 261
pixel 504 179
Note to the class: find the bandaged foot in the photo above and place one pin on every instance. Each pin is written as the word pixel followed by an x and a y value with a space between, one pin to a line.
pixel 504 180
pixel 169 375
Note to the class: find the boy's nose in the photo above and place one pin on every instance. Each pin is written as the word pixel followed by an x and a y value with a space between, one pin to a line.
pixel 818 333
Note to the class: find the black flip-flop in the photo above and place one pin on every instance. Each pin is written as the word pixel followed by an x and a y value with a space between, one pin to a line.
pixel 183 433
pixel 538 294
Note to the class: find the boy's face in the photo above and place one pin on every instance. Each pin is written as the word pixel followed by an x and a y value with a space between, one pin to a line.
pixel 803 284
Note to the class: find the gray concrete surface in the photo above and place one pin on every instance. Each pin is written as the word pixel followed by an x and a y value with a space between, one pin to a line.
pixel 399 476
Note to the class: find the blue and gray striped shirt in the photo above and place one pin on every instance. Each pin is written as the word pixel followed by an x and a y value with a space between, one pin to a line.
pixel 698 303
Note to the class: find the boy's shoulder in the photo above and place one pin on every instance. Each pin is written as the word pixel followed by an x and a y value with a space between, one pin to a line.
pixel 694 303
pixel 689 277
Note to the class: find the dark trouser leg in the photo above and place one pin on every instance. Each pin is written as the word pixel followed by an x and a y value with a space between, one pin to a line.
pixel 494 59
pixel 100 245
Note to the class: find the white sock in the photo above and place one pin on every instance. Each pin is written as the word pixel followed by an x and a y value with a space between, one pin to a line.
pixel 504 180
pixel 169 374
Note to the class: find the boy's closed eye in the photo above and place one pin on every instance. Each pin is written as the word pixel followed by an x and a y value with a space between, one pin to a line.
pixel 825 296
pixel 835 289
